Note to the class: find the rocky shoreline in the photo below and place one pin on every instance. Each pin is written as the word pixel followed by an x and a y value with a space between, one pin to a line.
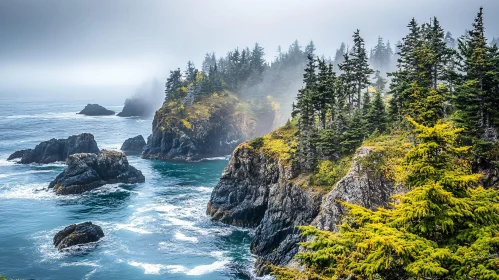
pixel 259 191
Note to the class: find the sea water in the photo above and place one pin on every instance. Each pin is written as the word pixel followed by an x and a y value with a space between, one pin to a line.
pixel 155 230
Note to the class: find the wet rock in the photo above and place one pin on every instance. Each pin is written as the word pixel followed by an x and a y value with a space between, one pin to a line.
pixel 77 234
pixel 19 154
pixel 57 149
pixel 135 144
pixel 96 110
pixel 88 171
pixel 256 190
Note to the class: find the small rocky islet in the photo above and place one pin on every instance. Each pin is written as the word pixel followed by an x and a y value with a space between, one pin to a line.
pixel 77 234
pixel 134 144
pixel 96 110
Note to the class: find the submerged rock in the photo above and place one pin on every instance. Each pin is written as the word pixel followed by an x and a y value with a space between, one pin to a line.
pixel 135 144
pixel 76 234
pixel 257 190
pixel 89 171
pixel 57 149
pixel 96 110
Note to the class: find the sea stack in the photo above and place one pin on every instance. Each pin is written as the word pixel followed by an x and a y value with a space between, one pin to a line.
pixel 77 234
pixel 96 110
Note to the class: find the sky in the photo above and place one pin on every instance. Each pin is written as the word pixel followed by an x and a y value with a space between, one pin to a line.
pixel 97 49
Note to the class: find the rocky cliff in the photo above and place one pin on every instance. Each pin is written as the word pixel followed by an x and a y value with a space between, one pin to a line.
pixel 261 188
pixel 213 126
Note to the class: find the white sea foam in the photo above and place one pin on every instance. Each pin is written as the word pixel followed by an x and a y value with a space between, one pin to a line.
pixel 65 115
pixel 4 162
pixel 29 191
pixel 87 276
pixel 207 268
pixel 81 263
pixel 137 224
pixel 149 268
pixel 183 237
pixel 25 172
pixel 179 222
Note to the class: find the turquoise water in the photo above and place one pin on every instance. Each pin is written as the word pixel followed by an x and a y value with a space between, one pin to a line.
pixel 154 230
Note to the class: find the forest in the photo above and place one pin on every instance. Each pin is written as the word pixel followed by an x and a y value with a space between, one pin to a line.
pixel 439 119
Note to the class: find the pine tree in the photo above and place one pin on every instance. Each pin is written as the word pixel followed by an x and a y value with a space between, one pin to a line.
pixel 360 65
pixel 376 115
pixel 445 227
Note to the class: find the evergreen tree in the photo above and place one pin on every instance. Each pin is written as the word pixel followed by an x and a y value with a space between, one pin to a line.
pixel 173 83
pixel 360 64
pixel 376 115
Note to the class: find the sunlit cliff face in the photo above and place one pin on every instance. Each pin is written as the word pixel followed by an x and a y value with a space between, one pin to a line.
pixel 47 46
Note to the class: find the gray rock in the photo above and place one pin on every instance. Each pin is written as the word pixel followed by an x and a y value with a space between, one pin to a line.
pixel 57 149
pixel 77 234
pixel 361 186
pixel 87 171
pixel 135 144
pixel 256 190
pixel 96 110
pixel 19 154
pixel 137 107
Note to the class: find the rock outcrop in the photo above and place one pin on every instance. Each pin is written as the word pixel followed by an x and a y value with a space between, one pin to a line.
pixel 137 107
pixel 89 171
pixel 257 190
pixel 77 234
pixel 362 186
pixel 134 144
pixel 212 127
pixel 57 149
pixel 96 110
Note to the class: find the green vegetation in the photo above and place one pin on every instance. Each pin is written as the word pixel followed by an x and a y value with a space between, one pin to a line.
pixel 440 128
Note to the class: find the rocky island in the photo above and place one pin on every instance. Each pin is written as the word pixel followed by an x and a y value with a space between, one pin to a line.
pixel 77 234
pixel 55 150
pixel 96 110
pixel 134 144
pixel 86 171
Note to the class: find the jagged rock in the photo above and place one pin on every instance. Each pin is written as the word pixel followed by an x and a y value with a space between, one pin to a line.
pixel 362 186
pixel 135 144
pixel 57 149
pixel 89 171
pixel 256 191
pixel 95 110
pixel 19 154
pixel 137 107
pixel 76 234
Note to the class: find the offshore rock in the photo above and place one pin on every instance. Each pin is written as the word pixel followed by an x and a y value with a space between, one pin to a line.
pixel 77 234
pixel 134 144
pixel 96 110
pixel 57 149
pixel 89 171
pixel 209 128
pixel 137 107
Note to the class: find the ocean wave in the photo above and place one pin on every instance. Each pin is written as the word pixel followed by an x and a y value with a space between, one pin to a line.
pixel 4 162
pixel 29 191
pixel 150 268
pixel 81 263
pixel 207 268
pixel 65 115
pixel 137 224
pixel 182 237
pixel 26 172
pixel 227 157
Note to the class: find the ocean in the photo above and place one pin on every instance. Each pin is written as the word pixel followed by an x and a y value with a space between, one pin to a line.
pixel 154 230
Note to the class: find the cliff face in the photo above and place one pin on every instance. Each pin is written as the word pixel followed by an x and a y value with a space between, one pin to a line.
pixel 261 191
pixel 212 127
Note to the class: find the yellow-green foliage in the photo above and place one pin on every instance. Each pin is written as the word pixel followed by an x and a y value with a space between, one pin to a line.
pixel 280 143
pixel 445 227
pixel 201 110
pixel 329 172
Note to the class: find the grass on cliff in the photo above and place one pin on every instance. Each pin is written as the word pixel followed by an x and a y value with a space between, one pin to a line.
pixel 280 143
pixel 201 110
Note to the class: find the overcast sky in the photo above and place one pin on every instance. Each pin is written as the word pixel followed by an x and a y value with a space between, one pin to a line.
pixel 99 48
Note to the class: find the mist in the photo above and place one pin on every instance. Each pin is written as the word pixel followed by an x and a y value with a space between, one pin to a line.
pixel 104 50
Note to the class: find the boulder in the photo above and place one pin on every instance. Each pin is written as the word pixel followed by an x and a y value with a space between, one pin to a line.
pixel 76 234
pixel 57 149
pixel 96 110
pixel 135 144
pixel 87 171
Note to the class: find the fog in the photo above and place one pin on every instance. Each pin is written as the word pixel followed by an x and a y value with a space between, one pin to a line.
pixel 104 50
